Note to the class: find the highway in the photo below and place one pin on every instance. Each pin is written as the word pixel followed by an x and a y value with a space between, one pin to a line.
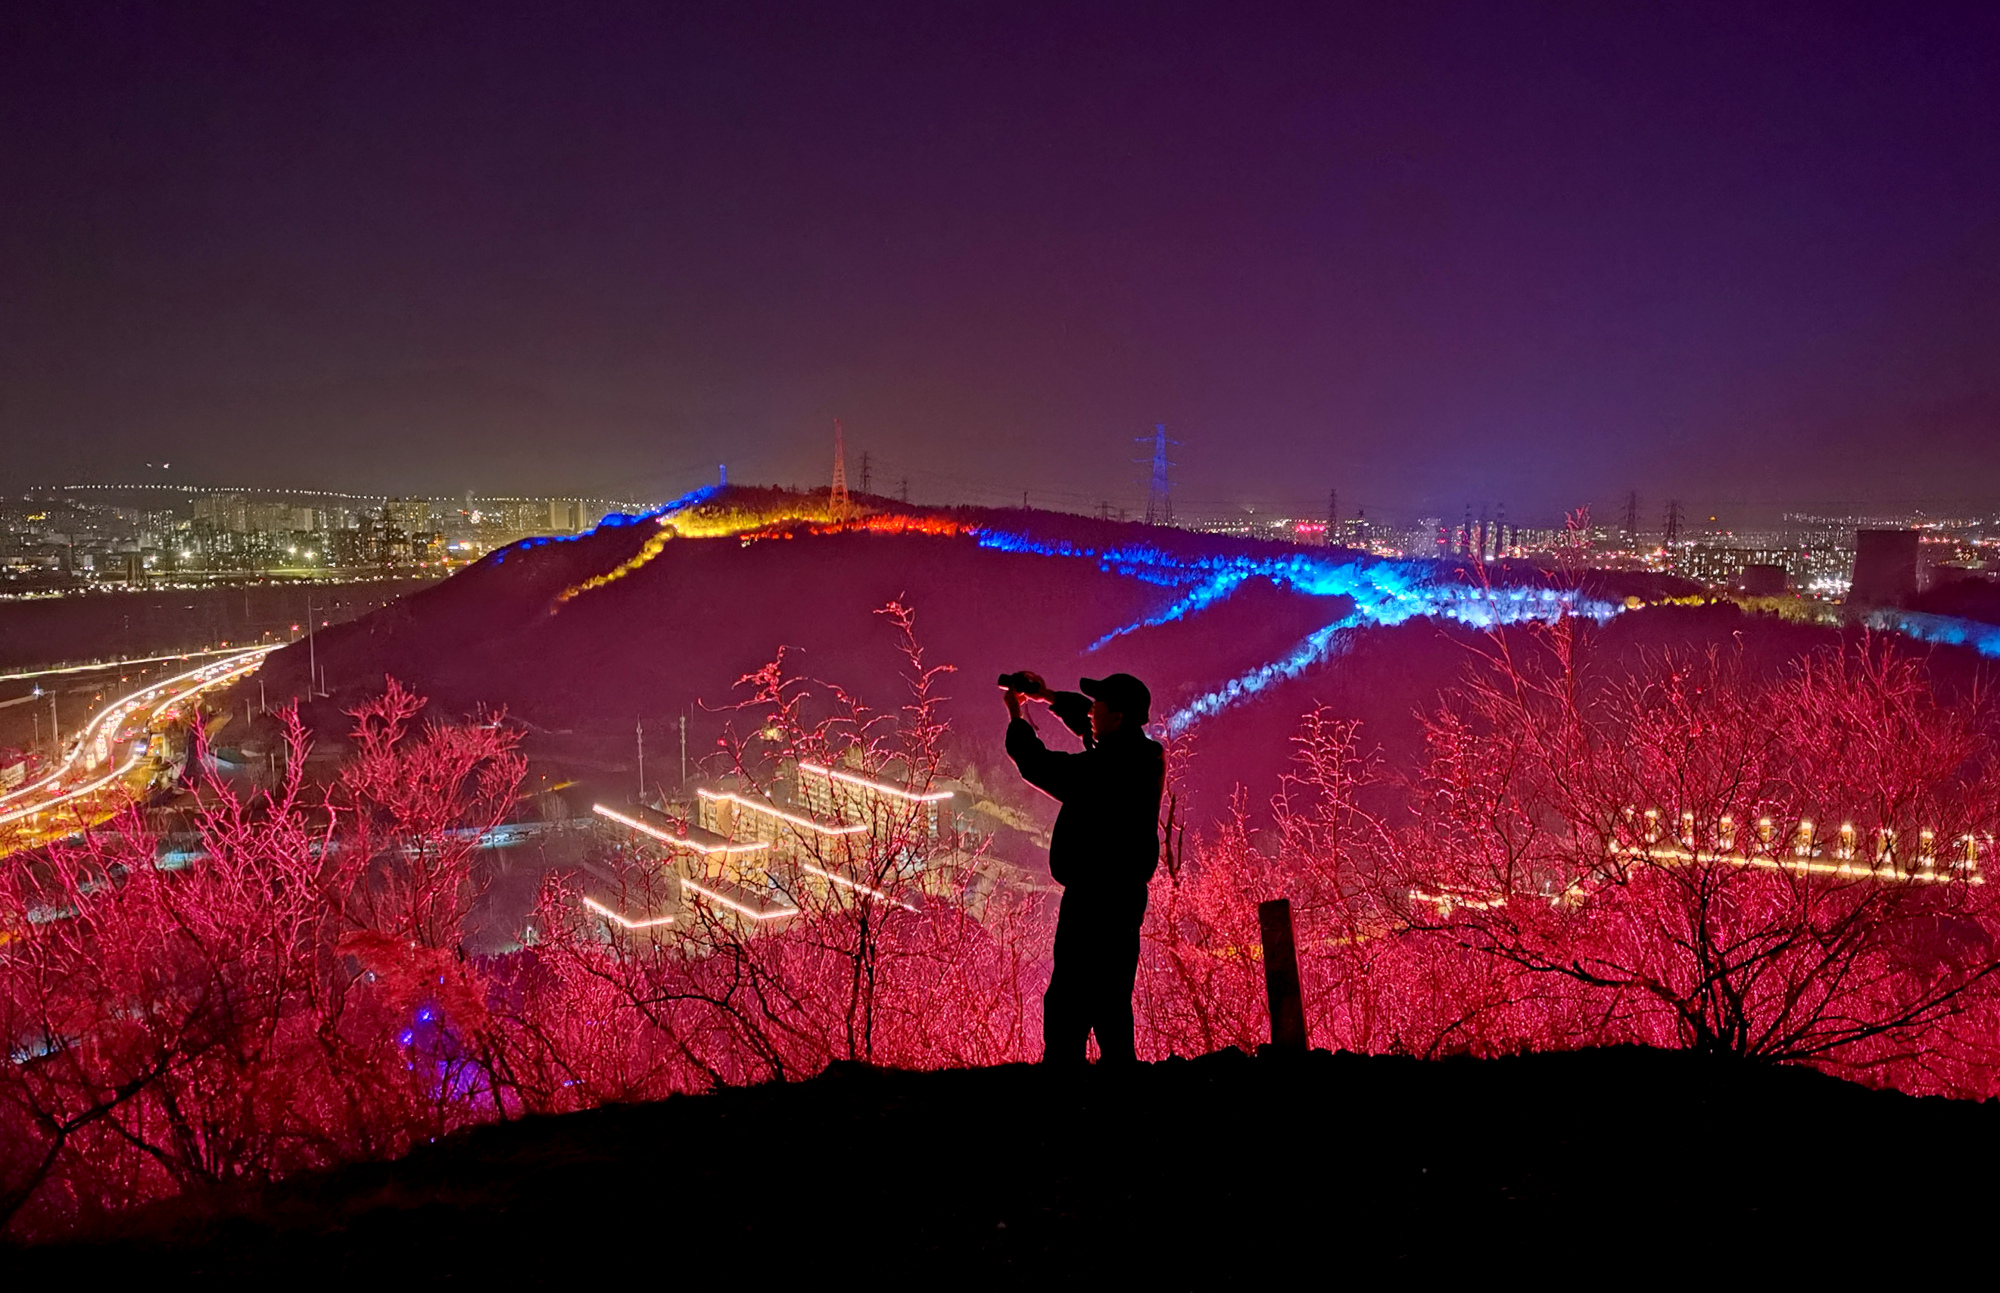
pixel 112 757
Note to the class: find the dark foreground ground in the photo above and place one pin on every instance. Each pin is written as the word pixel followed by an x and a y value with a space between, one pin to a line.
pixel 1607 1167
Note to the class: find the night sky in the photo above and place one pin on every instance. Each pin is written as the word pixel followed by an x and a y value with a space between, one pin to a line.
pixel 1748 255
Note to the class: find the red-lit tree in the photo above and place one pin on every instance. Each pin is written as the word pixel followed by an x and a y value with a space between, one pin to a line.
pixel 1689 853
pixel 873 955
pixel 212 1025
pixel 1683 852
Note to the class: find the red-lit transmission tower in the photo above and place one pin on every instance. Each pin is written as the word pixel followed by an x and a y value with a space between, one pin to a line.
pixel 838 505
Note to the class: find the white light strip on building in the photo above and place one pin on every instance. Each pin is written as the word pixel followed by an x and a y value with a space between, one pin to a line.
pixel 805 823
pixel 681 841
pixel 876 786
pixel 609 914
pixel 856 884
pixel 733 905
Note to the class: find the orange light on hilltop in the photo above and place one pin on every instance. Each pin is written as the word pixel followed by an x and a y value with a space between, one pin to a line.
pixel 880 523
pixel 789 521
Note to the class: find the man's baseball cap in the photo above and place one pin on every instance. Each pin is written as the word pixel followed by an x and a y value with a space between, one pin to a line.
pixel 1122 692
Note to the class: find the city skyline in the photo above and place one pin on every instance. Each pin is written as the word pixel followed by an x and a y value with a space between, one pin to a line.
pixel 1606 505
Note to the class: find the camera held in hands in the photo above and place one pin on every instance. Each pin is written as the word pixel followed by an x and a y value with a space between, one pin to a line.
pixel 1024 683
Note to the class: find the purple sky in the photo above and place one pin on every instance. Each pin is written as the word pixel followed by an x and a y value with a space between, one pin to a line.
pixel 1744 254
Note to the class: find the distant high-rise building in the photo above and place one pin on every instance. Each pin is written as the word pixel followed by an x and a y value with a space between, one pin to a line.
pixel 1885 567
pixel 222 512
pixel 275 518
pixel 410 515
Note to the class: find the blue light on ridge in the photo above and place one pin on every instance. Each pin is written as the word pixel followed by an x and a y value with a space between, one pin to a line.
pixel 1383 591
pixel 1947 630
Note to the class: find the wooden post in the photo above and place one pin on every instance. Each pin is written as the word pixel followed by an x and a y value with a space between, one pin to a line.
pixel 1281 975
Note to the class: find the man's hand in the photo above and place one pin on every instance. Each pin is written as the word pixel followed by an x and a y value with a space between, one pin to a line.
pixel 1014 698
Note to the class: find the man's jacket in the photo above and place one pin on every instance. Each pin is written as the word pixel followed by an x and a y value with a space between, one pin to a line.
pixel 1108 830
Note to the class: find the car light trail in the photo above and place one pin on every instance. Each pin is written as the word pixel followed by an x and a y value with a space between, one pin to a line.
pixel 120 664
pixel 206 677
pixel 105 725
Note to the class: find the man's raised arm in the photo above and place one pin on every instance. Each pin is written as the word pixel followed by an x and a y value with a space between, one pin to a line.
pixel 1046 770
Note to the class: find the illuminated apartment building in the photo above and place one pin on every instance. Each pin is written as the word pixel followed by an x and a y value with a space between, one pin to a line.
pixel 757 859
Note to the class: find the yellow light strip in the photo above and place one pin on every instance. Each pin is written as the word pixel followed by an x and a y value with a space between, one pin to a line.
pixel 609 914
pixel 652 548
pixel 680 841
pixel 876 786
pixel 805 823
pixel 1942 875
pixel 1446 901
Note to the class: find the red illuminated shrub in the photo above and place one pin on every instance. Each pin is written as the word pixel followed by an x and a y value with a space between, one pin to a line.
pixel 291 997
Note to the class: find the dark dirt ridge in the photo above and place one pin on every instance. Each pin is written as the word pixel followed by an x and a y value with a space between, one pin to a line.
pixel 1598 1165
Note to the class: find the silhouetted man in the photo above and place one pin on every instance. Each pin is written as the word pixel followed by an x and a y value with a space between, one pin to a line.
pixel 1103 850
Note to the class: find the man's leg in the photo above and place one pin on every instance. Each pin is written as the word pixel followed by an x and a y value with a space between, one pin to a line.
pixel 1117 966
pixel 1066 1005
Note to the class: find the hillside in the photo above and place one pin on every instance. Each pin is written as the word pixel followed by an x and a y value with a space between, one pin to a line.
pixel 665 625
pixel 1582 1165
